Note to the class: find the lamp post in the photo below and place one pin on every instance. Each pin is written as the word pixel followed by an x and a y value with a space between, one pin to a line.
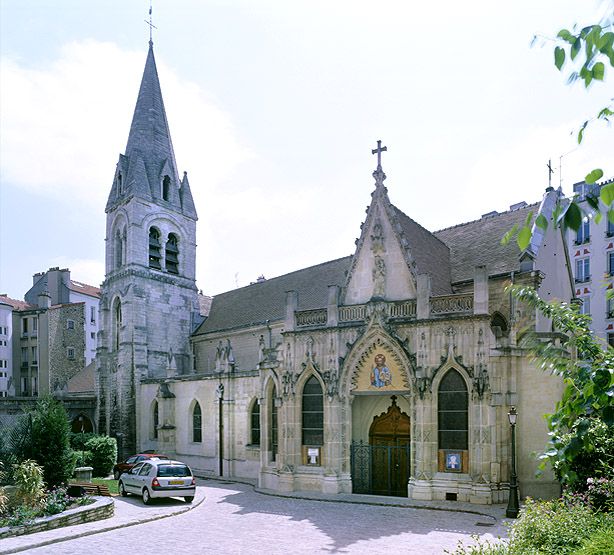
pixel 512 504
pixel 219 393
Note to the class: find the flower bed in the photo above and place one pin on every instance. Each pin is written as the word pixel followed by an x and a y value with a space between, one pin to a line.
pixel 101 508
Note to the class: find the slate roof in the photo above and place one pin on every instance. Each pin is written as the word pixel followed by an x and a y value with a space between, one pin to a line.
pixel 431 255
pixel 266 300
pixel 479 243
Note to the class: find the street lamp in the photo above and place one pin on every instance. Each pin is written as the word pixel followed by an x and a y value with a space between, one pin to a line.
pixel 512 504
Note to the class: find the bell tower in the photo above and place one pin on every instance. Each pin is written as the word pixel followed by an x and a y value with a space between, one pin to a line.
pixel 149 297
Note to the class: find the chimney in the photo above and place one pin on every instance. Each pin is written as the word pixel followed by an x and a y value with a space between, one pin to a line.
pixel 44 299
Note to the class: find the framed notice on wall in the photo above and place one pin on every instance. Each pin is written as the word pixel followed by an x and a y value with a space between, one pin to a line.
pixel 453 461
pixel 311 455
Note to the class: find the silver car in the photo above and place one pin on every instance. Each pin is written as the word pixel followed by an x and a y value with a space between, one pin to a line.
pixel 158 478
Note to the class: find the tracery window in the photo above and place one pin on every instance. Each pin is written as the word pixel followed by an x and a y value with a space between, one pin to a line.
pixel 313 413
pixel 453 412
pixel 154 249
pixel 197 424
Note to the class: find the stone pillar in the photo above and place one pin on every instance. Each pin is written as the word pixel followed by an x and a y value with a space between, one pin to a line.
pixel 291 308
pixel 480 290
pixel 423 306
pixel 332 311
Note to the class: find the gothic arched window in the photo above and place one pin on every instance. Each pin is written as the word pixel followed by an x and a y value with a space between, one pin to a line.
pixel 117 322
pixel 254 416
pixel 120 247
pixel 172 254
pixel 155 419
pixel 166 187
pixel 154 249
pixel 453 412
pixel 197 424
pixel 313 413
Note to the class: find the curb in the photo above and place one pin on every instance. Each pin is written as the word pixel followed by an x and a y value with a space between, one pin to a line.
pixel 100 530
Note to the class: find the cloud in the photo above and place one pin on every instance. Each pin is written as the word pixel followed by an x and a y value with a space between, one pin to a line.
pixel 64 125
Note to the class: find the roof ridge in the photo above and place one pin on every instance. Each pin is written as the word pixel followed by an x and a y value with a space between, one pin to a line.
pixel 482 217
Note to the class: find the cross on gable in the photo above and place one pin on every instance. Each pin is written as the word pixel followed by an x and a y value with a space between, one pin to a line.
pixel 379 151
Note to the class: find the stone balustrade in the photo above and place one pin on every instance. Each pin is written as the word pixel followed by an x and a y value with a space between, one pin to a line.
pixel 451 304
pixel 315 317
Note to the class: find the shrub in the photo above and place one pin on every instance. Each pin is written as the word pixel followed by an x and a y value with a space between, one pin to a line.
pixel 104 454
pixel 83 458
pixel 50 445
pixel 29 482
pixel 599 543
pixel 21 515
pixel 78 440
pixel 554 527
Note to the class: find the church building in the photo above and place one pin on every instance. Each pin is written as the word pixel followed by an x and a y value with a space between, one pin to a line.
pixel 390 371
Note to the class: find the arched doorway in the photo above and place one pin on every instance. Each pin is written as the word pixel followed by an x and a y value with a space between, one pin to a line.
pixel 81 424
pixel 382 466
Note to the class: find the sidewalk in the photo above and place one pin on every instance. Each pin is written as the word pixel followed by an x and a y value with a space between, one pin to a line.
pixel 130 511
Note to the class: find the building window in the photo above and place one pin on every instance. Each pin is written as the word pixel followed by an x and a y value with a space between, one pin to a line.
pixel 24 386
pixel 313 413
pixel 453 411
pixel 610 307
pixel 155 419
pixel 610 269
pixel 70 324
pixel 24 357
pixel 24 326
pixel 34 356
pixel 583 235
pixel 70 353
pixel 35 324
pixel 92 335
pixel 197 424
pixel 611 339
pixel 255 423
pixel 92 314
pixel 585 307
pixel 154 249
pixel 172 254
pixel 117 317
pixel 34 386
pixel 166 187
pixel 610 229
pixel 583 270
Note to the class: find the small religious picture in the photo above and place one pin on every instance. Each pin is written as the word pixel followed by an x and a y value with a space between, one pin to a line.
pixel 454 461
pixel 380 374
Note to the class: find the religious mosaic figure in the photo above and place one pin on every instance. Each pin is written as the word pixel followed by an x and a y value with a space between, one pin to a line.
pixel 380 374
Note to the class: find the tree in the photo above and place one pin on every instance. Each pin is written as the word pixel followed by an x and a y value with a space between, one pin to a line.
pixel 587 369
pixel 50 441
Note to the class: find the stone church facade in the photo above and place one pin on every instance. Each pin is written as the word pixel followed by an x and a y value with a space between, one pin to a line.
pixel 390 371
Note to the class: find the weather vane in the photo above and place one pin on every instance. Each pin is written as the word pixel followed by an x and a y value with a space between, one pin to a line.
pixel 151 25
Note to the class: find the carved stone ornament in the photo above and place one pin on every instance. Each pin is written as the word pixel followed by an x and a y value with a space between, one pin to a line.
pixel 480 379
pixel 423 386
pixel 288 383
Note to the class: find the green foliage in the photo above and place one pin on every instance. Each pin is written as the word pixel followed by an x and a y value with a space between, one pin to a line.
pixel 50 445
pixel 104 454
pixel 15 441
pixel 599 543
pixel 28 476
pixel 480 547
pixel 554 527
pixel 78 440
pixel 19 516
pixel 588 378
pixel 83 458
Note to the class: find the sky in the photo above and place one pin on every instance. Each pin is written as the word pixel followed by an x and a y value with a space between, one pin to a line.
pixel 274 107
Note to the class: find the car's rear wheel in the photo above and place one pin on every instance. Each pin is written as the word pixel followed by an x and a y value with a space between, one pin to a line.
pixel 122 490
pixel 146 496
pixel 116 474
pixel 189 498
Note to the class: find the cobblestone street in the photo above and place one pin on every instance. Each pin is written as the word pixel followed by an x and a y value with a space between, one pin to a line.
pixel 235 519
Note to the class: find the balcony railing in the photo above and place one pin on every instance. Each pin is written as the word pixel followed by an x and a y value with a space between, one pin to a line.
pixel 451 304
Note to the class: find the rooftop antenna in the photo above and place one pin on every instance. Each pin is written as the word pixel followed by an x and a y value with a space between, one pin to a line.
pixel 151 26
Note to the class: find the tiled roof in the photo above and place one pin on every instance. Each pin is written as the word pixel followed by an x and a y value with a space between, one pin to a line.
pixel 266 300
pixel 16 304
pixel 478 243
pixel 84 288
pixel 431 255
pixel 83 381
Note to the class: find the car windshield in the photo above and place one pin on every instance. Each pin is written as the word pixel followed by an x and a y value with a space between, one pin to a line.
pixel 167 470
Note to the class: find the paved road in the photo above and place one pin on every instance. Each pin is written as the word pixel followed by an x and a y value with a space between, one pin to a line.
pixel 235 520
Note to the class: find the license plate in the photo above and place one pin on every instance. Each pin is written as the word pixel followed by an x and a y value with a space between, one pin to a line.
pixel 176 482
